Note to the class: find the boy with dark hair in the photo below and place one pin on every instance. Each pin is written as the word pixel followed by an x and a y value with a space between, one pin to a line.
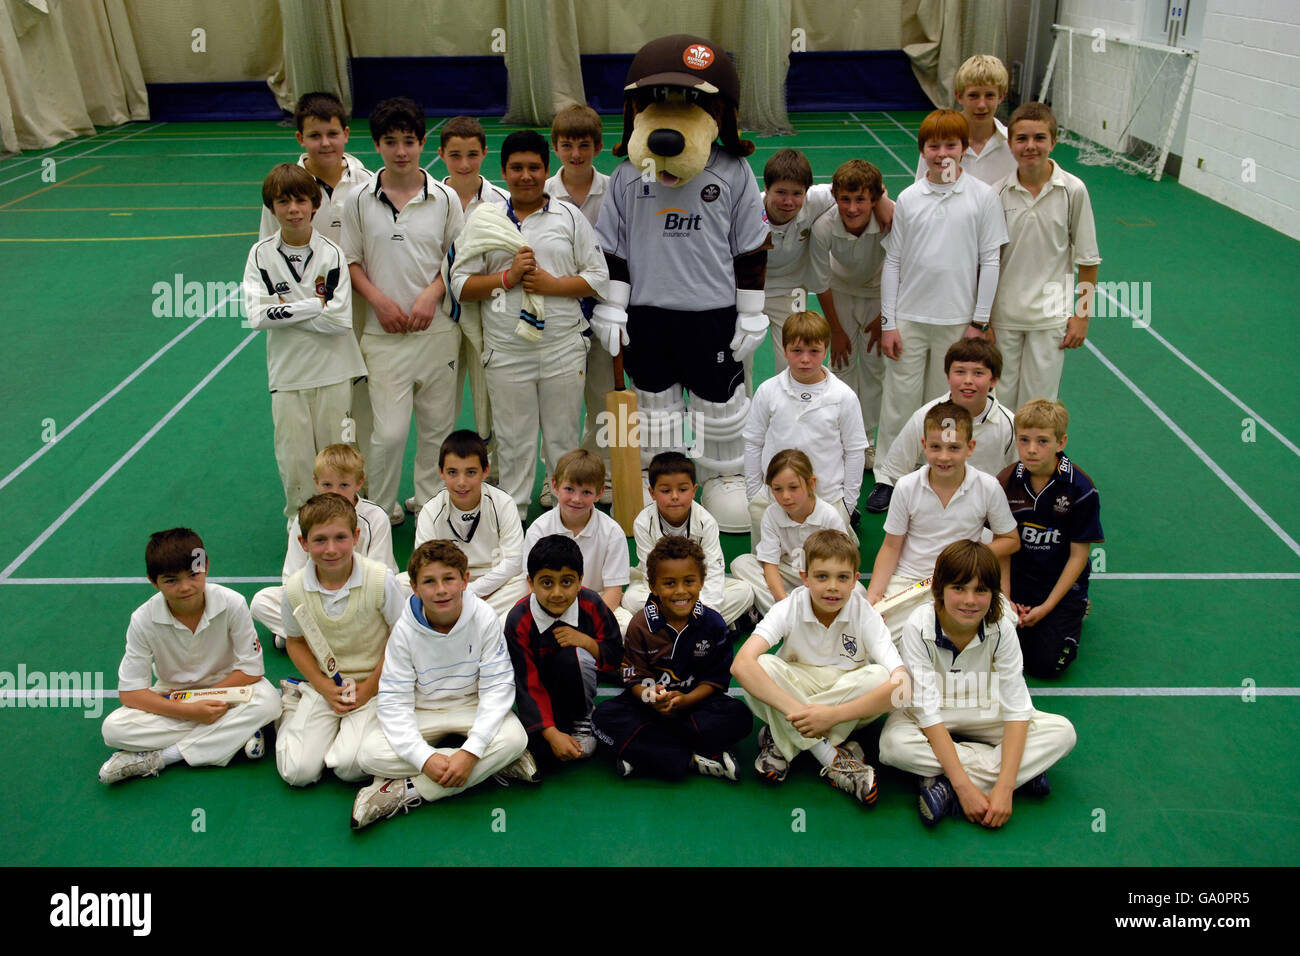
pixel 973 368
pixel 845 262
pixel 533 264
pixel 559 639
pixel 675 715
pixel 674 512
pixel 395 235
pixel 296 286
pixel 1058 511
pixel 193 634
pixel 337 610
pixel 944 501
pixel 446 676
pixel 480 518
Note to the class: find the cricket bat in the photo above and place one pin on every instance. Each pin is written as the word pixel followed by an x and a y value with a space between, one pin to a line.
pixel 624 451
pixel 321 650
pixel 227 695
pixel 891 601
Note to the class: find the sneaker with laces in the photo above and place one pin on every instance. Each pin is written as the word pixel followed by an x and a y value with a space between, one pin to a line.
pixel 524 768
pixel 878 500
pixel 846 772
pixel 384 799
pixel 255 749
pixel 938 800
pixel 127 763
pixel 771 764
pixel 397 516
pixel 724 767
pixel 585 736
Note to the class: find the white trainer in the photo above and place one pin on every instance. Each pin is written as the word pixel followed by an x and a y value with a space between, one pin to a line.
pixel 384 799
pixel 127 763
pixel 255 749
pixel 524 768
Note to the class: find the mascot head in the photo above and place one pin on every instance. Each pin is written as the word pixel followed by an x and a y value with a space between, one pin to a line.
pixel 682 92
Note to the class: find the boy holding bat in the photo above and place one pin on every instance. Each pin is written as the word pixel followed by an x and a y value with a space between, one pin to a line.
pixel 194 635
pixel 337 613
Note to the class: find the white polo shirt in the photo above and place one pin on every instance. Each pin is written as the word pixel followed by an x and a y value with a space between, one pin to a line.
pixel 940 233
pixel 590 206
pixel 702 528
pixel 565 245
pixel 991 165
pixel 224 641
pixel 1050 234
pixel 487 192
pixel 602 542
pixel 825 424
pixel 401 253
pixel 787 260
pixel 855 638
pixel 328 220
pixel 985 679
pixel 929 527
pixel 842 262
pixel 335 602
pixel 491 535
pixel 994 433
pixel 783 537
pixel 375 542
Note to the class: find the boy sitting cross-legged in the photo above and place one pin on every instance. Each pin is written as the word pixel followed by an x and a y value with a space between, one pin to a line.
pixel 675 512
pixel 559 638
pixel 337 610
pixel 446 674
pixel 837 670
pixel 480 518
pixel 675 714
pixel 340 469
pixel 194 635
pixel 972 733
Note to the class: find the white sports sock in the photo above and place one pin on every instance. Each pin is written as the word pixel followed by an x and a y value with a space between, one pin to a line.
pixel 823 751
pixel 171 755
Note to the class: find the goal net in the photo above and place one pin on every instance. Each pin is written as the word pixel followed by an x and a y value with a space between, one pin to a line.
pixel 1117 101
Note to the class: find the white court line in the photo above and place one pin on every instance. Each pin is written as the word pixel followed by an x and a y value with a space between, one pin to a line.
pixel 1204 374
pixel 18 158
pixel 68 159
pixel 61 434
pixel 880 141
pixel 85 695
pixel 1197 450
pixel 117 465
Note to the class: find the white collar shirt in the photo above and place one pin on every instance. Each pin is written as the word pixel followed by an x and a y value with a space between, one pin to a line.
pixel 856 637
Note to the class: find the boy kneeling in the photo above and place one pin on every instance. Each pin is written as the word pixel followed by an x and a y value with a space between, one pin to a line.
pixel 837 670
pixel 445 672
pixel 963 654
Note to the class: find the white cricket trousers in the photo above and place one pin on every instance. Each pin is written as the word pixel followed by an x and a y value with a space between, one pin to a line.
pixel 534 390
pixel 915 376
pixel 807 684
pixel 1032 363
pixel 378 758
pixel 305 420
pixel 865 372
pixel 413 371
pixel 202 745
pixel 904 745
pixel 311 737
pixel 471 366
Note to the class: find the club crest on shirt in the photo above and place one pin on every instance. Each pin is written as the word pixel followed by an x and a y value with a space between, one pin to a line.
pixel 320 286
pixel 710 193
pixel 1062 505
pixel 850 645
pixel 702 647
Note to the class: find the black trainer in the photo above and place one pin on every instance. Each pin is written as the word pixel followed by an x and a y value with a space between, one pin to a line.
pixel 878 500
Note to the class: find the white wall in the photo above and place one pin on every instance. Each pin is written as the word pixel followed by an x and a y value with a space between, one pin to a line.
pixel 1102 81
pixel 1245 105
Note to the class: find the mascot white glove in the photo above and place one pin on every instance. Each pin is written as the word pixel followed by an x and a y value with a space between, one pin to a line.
pixel 751 323
pixel 609 317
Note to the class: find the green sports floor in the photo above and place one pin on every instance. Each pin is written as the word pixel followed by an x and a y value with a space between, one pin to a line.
pixel 1186 694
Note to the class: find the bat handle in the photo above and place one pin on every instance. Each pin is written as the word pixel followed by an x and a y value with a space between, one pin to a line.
pixel 619 384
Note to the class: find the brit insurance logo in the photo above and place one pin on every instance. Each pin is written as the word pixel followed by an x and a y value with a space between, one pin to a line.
pixel 679 222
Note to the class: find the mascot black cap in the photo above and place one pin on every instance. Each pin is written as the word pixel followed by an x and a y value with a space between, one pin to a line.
pixel 693 63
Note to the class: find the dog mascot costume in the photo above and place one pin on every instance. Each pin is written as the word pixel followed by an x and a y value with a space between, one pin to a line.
pixel 683 232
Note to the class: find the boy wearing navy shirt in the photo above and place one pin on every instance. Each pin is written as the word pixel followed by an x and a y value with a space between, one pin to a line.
pixel 559 638
pixel 1058 514
pixel 675 715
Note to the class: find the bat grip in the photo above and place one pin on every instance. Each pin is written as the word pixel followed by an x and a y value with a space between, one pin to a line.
pixel 619 384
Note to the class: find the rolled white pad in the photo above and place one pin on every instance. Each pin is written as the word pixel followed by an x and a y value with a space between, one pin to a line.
pixel 719 453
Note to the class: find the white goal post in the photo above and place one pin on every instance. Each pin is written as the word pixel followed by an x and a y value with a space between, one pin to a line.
pixel 1118 101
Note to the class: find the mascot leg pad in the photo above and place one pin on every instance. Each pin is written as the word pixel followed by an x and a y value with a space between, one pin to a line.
pixel 720 456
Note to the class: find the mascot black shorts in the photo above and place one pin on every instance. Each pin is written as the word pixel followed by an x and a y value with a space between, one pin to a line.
pixel 691 349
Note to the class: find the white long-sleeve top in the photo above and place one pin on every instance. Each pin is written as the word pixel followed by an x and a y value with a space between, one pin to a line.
pixel 424 669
